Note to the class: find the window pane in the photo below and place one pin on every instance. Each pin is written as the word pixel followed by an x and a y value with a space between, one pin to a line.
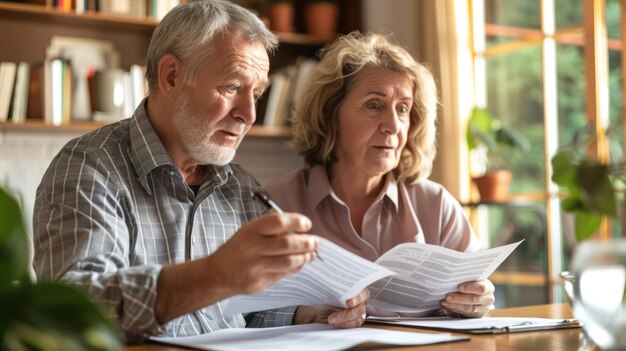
pixel 568 13
pixel 570 91
pixel 515 95
pixel 513 13
pixel 616 102
pixel 512 222
pixel 520 295
pixel 613 22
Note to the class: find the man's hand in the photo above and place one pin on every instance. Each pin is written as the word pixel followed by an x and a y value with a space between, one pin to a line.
pixel 474 299
pixel 262 252
pixel 259 254
pixel 351 317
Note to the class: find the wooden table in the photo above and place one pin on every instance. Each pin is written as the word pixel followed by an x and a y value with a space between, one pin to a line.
pixel 551 340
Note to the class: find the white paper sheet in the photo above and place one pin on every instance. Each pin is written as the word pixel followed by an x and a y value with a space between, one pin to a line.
pixel 426 273
pixel 337 277
pixel 307 337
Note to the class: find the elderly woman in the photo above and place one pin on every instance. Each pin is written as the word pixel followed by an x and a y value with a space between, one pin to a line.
pixel 366 128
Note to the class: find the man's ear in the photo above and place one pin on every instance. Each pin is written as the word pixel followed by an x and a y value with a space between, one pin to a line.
pixel 170 73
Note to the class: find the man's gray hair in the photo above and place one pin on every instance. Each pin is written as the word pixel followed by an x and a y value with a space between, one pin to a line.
pixel 187 32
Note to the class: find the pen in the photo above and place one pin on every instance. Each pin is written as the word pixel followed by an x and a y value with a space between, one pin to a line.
pixel 261 196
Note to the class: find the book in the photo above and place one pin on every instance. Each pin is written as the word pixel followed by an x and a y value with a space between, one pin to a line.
pixel 485 325
pixel 7 81
pixel 85 57
pixel 278 81
pixel 36 84
pixel 20 93
pixel 286 97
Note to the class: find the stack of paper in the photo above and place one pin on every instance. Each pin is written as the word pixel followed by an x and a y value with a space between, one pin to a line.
pixel 313 337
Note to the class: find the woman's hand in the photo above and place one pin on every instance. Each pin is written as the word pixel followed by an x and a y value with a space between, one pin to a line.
pixel 474 299
pixel 351 317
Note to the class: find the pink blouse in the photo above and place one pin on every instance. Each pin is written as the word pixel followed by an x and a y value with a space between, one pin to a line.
pixel 423 213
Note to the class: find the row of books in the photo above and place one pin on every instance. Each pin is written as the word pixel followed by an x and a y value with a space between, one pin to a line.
pixel 276 108
pixel 135 8
pixel 78 80
pixel 49 91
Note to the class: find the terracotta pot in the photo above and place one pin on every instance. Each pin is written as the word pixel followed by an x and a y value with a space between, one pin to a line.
pixel 320 19
pixel 494 186
pixel 281 17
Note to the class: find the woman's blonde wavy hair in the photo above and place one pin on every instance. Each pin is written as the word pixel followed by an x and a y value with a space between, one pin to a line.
pixel 315 120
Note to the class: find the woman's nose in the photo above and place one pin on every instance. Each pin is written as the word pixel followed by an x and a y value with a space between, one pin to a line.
pixel 390 124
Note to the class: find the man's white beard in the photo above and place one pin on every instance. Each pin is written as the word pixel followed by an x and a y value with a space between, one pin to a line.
pixel 195 136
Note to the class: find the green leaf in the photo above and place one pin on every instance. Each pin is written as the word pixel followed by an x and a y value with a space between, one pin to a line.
pixel 13 242
pixel 479 123
pixel 53 316
pixel 572 204
pixel 598 193
pixel 44 316
pixel 586 224
pixel 512 138
pixel 564 169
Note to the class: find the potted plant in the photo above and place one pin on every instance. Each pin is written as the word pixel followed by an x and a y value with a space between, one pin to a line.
pixel 281 14
pixel 596 282
pixel 487 133
pixel 321 18
pixel 47 315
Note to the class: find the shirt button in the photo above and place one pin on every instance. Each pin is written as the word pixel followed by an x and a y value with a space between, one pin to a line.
pixel 171 173
pixel 193 240
pixel 203 310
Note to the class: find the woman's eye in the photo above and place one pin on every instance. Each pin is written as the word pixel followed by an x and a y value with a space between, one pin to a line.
pixel 373 106
pixel 403 110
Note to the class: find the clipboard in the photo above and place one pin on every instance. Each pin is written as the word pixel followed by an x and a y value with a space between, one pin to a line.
pixel 485 325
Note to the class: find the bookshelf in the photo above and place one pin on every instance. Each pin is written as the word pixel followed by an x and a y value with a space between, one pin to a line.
pixel 26 27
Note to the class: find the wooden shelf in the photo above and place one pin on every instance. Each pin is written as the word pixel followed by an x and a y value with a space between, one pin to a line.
pixel 533 279
pixel 255 131
pixel 45 14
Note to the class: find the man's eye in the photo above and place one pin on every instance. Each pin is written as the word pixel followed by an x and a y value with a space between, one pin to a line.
pixel 233 88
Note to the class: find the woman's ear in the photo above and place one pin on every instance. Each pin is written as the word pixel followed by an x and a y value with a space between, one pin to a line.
pixel 170 75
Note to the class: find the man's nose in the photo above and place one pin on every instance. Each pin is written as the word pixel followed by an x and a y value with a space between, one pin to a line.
pixel 245 109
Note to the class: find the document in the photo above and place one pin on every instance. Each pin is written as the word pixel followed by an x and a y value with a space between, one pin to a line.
pixel 307 337
pixel 426 273
pixel 331 281
pixel 486 325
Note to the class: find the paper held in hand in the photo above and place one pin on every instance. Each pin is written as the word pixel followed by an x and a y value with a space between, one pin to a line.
pixel 341 276
pixel 426 273
pixel 411 277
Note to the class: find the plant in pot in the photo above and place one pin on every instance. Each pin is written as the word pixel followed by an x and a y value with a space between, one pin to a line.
pixel 321 18
pixel 596 282
pixel 487 133
pixel 45 315
pixel 281 15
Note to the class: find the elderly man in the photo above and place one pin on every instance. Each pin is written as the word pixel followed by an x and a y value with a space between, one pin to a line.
pixel 149 216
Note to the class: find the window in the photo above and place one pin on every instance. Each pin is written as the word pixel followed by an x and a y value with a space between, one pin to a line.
pixel 546 68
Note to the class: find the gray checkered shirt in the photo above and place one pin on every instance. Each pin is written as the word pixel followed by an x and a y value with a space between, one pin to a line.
pixel 112 209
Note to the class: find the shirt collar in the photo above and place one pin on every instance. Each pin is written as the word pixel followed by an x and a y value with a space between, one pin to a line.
pixel 147 152
pixel 319 186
